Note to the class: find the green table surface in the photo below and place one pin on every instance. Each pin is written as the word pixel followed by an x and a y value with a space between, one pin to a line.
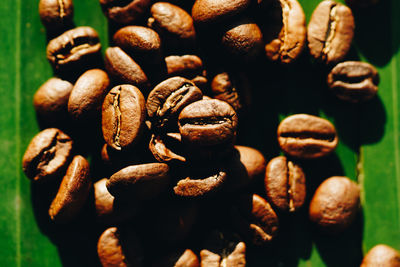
pixel 368 151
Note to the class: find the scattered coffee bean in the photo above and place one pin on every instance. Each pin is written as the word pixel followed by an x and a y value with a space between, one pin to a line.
pixel 236 258
pixel 381 255
pixel 56 14
pixel 179 258
pixel 124 11
pixel 187 66
pixel 224 88
pixel 254 162
pixel 167 147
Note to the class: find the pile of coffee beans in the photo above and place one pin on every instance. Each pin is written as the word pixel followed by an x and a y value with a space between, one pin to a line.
pixel 159 118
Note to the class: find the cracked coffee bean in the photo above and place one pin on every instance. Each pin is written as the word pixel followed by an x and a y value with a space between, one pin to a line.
pixel 47 156
pixel 124 11
pixel 306 136
pixel 167 147
pixel 73 192
pixel 179 258
pixel 335 204
pixel 56 15
pixel 330 32
pixel 285 184
pixel 123 116
pixel 381 255
pixel 354 81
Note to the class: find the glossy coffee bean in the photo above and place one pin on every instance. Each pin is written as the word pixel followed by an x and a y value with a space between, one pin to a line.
pixel 51 100
pixel 330 32
pixel 381 255
pixel 167 147
pixel 306 136
pixel 179 258
pixel 73 48
pixel 285 184
pixel 335 204
pixel 361 3
pixel 235 258
pixel 186 66
pixel 224 88
pixel 354 81
pixel 254 162
pixel 88 94
pixel 56 14
pixel 47 156
pixel 123 115
pixel 208 123
pixel 73 192
pixel 124 12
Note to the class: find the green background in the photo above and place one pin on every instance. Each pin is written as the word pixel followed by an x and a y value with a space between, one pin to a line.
pixel 369 149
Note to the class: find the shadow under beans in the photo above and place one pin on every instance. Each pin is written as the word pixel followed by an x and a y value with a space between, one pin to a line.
pixel 372 121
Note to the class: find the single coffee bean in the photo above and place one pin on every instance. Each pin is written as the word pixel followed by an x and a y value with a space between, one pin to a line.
pixel 47 156
pixel 254 162
pixel 73 48
pixel 208 123
pixel 306 136
pixel 167 147
pixel 361 3
pixel 143 181
pixel 207 12
pixel 56 14
pixel 335 204
pixel 179 258
pixel 123 69
pixel 330 32
pixel 285 184
pixel 73 192
pixel 236 258
pixel 224 88
pixel 123 116
pixel 354 81
pixel 285 30
pixel 125 11
pixel 88 94
pixel 168 98
pixel 51 100
pixel 187 66
pixel 173 24
pixel 381 255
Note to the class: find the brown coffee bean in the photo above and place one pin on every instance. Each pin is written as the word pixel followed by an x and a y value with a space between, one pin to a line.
pixel 167 147
pixel 143 181
pixel 187 66
pixel 124 11
pixel 381 255
pixel 73 48
pixel 115 160
pixel 51 100
pixel 123 116
pixel 56 14
pixel 285 184
pixel 73 192
pixel 179 258
pixel 236 258
pixel 306 136
pixel 330 32
pixel 335 204
pixel 354 81
pixel 224 88
pixel 47 156
pixel 173 24
pixel 123 69
pixel 361 3
pixel 254 162
pixel 88 94
pixel 208 123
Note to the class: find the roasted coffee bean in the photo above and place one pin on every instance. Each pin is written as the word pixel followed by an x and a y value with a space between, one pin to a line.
pixel 236 258
pixel 88 94
pixel 173 24
pixel 187 66
pixel 207 12
pixel 361 3
pixel 168 98
pixel 73 48
pixel 285 184
pixel 254 162
pixel 335 204
pixel 255 219
pixel 124 11
pixel 123 69
pixel 119 247
pixel 224 88
pixel 306 136
pixel 330 32
pixel 73 192
pixel 143 181
pixel 167 147
pixel 180 258
pixel 47 156
pixel 208 123
pixel 56 14
pixel 354 81
pixel 284 31
pixel 115 160
pixel 123 116
pixel 381 255
pixel 51 100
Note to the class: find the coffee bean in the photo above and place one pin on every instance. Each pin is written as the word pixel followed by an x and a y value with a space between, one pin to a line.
pixel 186 66
pixel 381 255
pixel 115 160
pixel 306 136
pixel 330 32
pixel 73 48
pixel 354 81
pixel 285 184
pixel 168 98
pixel 56 14
pixel 178 258
pixel 124 11
pixel 225 89
pixel 208 123
pixel 361 3
pixel 236 258
pixel 254 162
pixel 167 147
pixel 123 116
pixel 73 192
pixel 47 156
pixel 335 204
